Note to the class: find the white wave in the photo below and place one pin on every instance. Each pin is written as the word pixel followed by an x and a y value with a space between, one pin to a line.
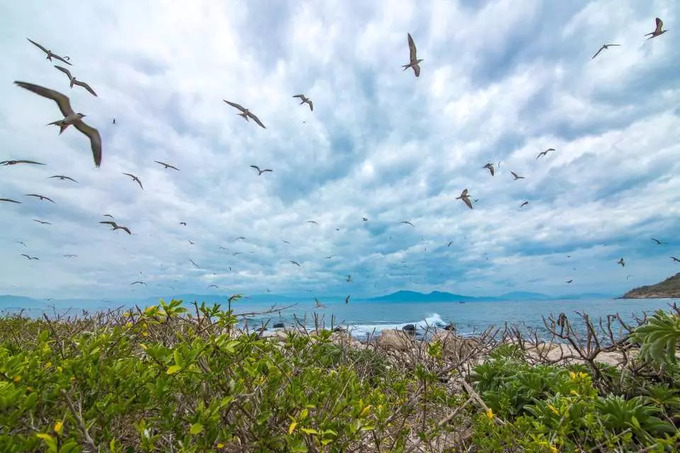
pixel 422 327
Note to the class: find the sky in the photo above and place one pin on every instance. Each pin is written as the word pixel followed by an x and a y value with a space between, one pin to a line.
pixel 500 82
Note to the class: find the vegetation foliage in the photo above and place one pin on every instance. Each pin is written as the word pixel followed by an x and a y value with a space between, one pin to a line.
pixel 175 378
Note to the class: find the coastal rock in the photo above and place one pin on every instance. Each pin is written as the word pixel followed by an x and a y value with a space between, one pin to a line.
pixel 669 288
pixel 395 340
pixel 278 325
pixel 450 327
pixel 409 328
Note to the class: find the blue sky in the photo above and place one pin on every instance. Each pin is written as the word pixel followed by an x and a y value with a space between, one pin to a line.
pixel 500 82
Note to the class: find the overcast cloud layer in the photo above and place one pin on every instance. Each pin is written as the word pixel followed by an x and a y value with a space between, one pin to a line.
pixel 501 81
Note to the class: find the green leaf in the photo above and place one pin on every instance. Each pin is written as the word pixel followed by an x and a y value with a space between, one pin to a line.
pixel 309 431
pixel 178 358
pixel 174 369
pixel 196 428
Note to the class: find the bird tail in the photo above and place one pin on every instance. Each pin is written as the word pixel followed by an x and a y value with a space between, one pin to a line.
pixel 406 66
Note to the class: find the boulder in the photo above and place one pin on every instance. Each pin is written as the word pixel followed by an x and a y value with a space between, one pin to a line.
pixel 278 325
pixel 409 328
pixel 395 340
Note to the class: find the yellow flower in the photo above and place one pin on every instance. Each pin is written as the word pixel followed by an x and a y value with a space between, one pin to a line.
pixel 128 324
pixel 59 427
pixel 489 413
pixel 552 408
pixel 220 445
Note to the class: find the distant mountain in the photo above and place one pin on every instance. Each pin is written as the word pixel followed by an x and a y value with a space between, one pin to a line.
pixel 669 288
pixel 524 295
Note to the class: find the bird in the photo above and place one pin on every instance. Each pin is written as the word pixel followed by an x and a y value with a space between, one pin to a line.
pixel 347 299
pixel 675 259
pixel 115 226
pixel 319 304
pixel 138 282
pixel 516 176
pixel 213 286
pixel 604 46
pixel 22 243
pixel 305 99
pixel 9 200
pixel 295 262
pixel 259 172
pixel 414 60
pixel 166 165
pixel 114 121
pixel 42 197
pixel 136 179
pixel 349 278
pixel 4 163
pixel 465 197
pixel 70 117
pixel 658 242
pixel 192 262
pixel 329 257
pixel 62 177
pixel 70 255
pixel 50 54
pixel 30 257
pixel 658 30
pixel 183 223
pixel 569 281
pixel 313 221
pixel 364 219
pixel 240 238
pixel 407 223
pixel 544 153
pixel 449 244
pixel 42 222
pixel 190 241
pixel 524 204
pixel 621 262
pixel 490 167
pixel 108 215
pixel 245 113
pixel 73 80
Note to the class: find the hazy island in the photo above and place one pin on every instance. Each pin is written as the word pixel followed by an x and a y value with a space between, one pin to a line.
pixel 669 288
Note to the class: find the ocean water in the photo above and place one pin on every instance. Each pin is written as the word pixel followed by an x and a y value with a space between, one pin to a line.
pixel 366 318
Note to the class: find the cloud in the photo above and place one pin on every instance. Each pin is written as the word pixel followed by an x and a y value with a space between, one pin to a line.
pixel 500 82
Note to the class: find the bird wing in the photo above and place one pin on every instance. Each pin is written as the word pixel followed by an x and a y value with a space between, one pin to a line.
pixel 9 200
pixel 311 105
pixel 23 254
pixel 412 49
pixel 598 52
pixel 267 170
pixel 95 141
pixel 42 48
pixel 48 198
pixel 301 96
pixel 126 229
pixel 61 100
pixel 234 104
pixel 257 120
pixel 659 25
pixel 28 162
pixel 108 222
pixel 467 202
pixel 86 86
pixel 61 59
pixel 542 153
pixel 255 167
pixel 65 71
pixel 491 169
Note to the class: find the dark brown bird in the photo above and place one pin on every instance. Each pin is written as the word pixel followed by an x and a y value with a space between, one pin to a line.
pixel 197 266
pixel 347 299
pixel 524 204
pixel 305 99
pixel 516 176
pixel 544 153
pixel 108 215
pixel 14 162
pixel 658 30
pixel 73 80
pixel 183 223
pixel 658 242
pixel 136 179
pixel 9 200
pixel 166 165
pixel 115 226
pixel 621 262
pixel 569 281
pixel 245 113
pixel 62 177
pixel 466 198
pixel 407 223
pixel 70 255
pixel 259 172
pixel 213 286
pixel 313 221
pixel 675 259
pixel 489 166
pixel 42 197
pixel 138 282
pixel 296 263
pixel 70 117
pixel 42 222
pixel 604 46
pixel 414 61
pixel 319 304
pixel 30 257
pixel 49 53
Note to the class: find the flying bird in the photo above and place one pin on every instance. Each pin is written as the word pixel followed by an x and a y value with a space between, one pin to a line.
pixel 313 221
pixel 192 262
pixel 190 241
pixel 138 282
pixel 524 204
pixel 658 30
pixel 329 257
pixel 9 200
pixel 14 162
pixel 62 177
pixel 42 222
pixel 213 286
pixel 675 259
pixel 658 242
pixel 544 153
pixel 319 304
pixel 516 176
pixel 604 46
pixel 114 121
pixel 240 238
pixel 349 278
pixel 42 197
pixel 489 166
pixel 135 179
pixel 414 60
pixel 70 117
pixel 70 255
pixel 50 54
pixel 621 262
pixel 73 80
pixel 465 197
pixel 108 215
pixel 22 243
pixel 183 223
pixel 166 165
pixel 245 113
pixel 30 257
pixel 259 172
pixel 407 223
pixel 296 263
pixel 364 219
pixel 115 226
pixel 305 99
pixel 569 281
pixel 449 244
